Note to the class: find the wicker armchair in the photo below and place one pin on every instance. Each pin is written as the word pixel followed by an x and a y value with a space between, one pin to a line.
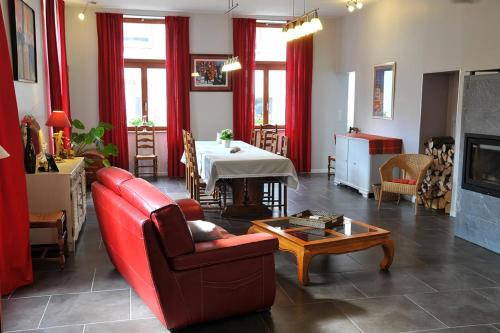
pixel 414 167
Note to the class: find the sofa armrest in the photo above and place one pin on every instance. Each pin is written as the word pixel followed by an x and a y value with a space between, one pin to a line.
pixel 226 250
pixel 191 209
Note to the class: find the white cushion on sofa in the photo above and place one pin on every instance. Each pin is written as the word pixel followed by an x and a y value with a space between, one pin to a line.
pixel 204 231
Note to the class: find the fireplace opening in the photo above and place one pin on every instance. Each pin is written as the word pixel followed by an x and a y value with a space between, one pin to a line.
pixel 482 164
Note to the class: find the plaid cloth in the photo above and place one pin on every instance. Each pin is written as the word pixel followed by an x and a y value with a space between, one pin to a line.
pixel 379 144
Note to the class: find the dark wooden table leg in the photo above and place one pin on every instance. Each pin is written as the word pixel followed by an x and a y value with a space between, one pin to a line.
pixel 388 247
pixel 247 199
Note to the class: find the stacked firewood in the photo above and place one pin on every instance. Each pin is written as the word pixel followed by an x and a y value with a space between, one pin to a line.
pixel 436 188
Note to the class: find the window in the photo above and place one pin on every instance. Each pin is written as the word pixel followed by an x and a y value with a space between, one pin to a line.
pixel 145 73
pixel 270 75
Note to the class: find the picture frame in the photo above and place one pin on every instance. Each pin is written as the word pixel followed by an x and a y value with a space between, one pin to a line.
pixel 23 41
pixel 210 75
pixel 384 82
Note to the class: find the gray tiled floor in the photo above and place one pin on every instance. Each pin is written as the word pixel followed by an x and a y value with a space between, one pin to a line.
pixel 438 283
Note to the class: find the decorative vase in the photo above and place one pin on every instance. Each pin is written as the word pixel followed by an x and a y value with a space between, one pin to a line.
pixel 218 138
pixel 227 143
pixel 29 152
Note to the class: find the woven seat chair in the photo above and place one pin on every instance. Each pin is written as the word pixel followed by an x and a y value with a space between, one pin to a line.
pixel 414 167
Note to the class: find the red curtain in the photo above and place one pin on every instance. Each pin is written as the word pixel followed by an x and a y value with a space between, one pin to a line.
pixel 15 257
pixel 178 80
pixel 299 66
pixel 58 66
pixel 112 83
pixel 244 33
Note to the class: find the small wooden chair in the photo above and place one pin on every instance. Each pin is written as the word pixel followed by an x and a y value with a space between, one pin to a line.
pixel 55 220
pixel 255 138
pixel 332 159
pixel 271 141
pixel 145 150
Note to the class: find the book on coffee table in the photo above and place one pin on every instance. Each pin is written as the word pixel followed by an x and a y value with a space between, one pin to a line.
pixel 316 219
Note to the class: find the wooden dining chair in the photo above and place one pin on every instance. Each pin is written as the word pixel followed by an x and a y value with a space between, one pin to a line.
pixel 145 150
pixel 284 146
pixel 255 138
pixel 197 186
pixel 186 152
pixel 271 198
pixel 266 132
pixel 271 141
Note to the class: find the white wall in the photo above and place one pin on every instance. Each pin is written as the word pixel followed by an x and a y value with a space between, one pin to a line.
pixel 31 96
pixel 211 111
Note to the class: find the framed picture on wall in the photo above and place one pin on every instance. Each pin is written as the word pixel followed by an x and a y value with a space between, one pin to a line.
pixel 207 74
pixel 384 79
pixel 23 40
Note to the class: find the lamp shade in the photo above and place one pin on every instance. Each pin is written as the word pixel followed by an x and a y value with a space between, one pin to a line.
pixel 3 153
pixel 58 119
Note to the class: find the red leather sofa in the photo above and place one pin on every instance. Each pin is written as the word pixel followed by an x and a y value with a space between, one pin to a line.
pixel 182 282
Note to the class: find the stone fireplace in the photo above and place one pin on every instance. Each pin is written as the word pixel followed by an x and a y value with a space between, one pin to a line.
pixel 478 198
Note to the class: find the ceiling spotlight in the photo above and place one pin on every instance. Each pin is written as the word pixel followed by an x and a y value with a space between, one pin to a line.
pixel 352 5
pixel 81 15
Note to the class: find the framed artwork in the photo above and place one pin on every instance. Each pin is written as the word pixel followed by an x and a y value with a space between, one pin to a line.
pixel 22 28
pixel 207 74
pixel 383 90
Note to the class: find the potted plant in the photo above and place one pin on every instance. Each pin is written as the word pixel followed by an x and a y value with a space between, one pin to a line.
pixel 226 136
pixel 83 142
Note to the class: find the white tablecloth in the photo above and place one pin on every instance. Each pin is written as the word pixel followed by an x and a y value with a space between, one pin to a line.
pixel 216 162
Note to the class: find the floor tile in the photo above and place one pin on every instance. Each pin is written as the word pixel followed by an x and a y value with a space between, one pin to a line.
pixel 388 314
pixel 318 317
pixel 141 325
pixel 467 329
pixel 382 283
pixel 71 309
pixel 450 277
pixel 459 308
pixel 493 294
pixel 322 287
pixel 58 282
pixel 23 313
pixel 138 309
pixel 63 329
pixel 108 278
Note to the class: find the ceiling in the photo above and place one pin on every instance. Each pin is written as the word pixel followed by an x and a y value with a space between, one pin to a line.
pixel 281 8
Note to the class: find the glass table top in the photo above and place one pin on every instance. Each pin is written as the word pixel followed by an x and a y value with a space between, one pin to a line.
pixel 348 228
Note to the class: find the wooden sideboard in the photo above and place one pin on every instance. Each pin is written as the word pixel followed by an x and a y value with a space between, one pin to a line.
pixel 63 190
pixel 356 165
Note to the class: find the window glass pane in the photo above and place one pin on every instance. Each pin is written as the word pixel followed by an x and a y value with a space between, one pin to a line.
pixel 259 97
pixel 157 96
pixel 270 44
pixel 133 94
pixel 277 96
pixel 144 41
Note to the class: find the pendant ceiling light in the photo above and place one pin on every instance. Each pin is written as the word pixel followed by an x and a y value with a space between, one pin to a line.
pixel 81 15
pixel 352 5
pixel 231 63
pixel 308 23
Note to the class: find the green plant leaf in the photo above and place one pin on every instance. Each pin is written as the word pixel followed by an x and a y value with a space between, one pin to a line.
pixel 78 138
pixel 77 124
pixel 110 149
pixel 90 136
pixel 106 162
pixel 99 132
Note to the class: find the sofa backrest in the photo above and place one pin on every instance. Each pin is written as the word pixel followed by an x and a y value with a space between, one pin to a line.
pixel 166 215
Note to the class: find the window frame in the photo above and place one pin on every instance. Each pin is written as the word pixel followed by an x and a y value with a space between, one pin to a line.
pixel 266 66
pixel 143 65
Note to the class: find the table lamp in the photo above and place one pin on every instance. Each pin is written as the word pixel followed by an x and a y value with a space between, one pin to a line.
pixel 3 153
pixel 58 120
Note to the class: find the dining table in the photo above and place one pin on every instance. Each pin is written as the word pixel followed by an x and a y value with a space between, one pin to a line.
pixel 245 168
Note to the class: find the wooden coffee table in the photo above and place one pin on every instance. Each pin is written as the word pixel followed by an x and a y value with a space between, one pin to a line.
pixel 306 242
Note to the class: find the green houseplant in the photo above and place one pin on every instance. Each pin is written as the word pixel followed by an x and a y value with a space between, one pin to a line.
pixel 84 141
pixel 226 136
pixel 138 122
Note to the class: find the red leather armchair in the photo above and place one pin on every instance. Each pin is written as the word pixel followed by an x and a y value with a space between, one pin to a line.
pixel 148 241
